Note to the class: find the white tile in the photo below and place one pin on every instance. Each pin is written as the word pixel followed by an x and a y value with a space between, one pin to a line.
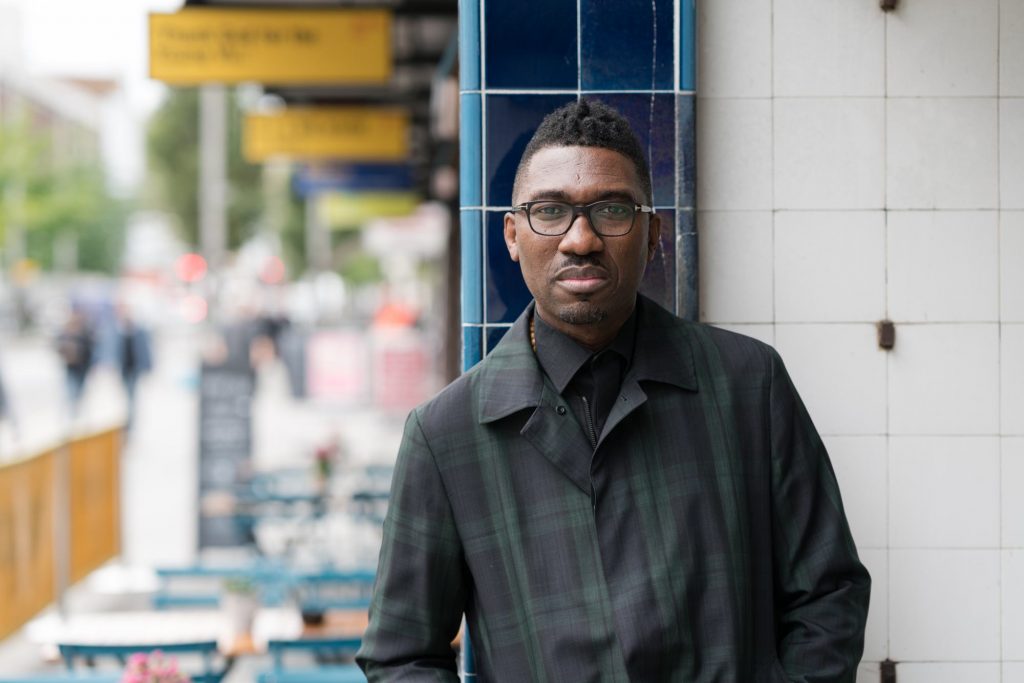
pixel 876 634
pixel 1013 604
pixel 829 266
pixel 734 39
pixel 944 605
pixel 1011 368
pixel 764 332
pixel 829 153
pixel 1013 672
pixel 944 492
pixel 944 379
pixel 828 47
pixel 1011 269
pixel 942 153
pixel 735 266
pixel 840 374
pixel 868 672
pixel 1011 152
pixel 943 266
pixel 734 154
pixel 860 464
pixel 1011 48
pixel 943 48
pixel 1013 485
pixel 947 672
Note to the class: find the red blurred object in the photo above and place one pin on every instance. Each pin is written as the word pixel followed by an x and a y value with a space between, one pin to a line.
pixel 190 267
pixel 273 271
pixel 394 315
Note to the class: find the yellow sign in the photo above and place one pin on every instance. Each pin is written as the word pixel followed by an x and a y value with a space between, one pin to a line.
pixel 341 210
pixel 345 133
pixel 336 46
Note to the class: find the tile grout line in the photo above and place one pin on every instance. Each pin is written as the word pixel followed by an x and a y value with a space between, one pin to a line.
pixel 888 356
pixel 999 331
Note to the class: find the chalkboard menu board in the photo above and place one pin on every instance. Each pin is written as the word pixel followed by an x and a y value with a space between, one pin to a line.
pixel 225 450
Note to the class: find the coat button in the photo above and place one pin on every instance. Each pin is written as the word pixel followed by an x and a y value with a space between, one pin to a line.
pixel 560 410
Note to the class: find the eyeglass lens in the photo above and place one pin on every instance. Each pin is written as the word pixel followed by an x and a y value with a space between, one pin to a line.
pixel 607 218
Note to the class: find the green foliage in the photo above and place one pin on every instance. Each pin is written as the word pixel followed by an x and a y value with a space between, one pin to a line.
pixel 55 198
pixel 173 149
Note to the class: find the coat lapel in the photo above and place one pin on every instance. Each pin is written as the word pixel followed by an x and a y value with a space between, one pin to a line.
pixel 511 380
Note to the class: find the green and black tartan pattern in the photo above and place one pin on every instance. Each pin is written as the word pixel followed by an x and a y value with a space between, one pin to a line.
pixel 706 541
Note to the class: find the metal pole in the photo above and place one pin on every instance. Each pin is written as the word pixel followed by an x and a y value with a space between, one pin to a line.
pixel 318 239
pixel 213 144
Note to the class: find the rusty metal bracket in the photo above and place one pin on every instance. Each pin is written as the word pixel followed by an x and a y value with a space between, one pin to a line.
pixel 888 5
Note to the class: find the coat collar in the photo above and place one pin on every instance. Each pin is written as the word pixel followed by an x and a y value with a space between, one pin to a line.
pixel 510 379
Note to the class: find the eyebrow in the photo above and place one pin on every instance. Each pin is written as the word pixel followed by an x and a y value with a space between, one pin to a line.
pixel 561 196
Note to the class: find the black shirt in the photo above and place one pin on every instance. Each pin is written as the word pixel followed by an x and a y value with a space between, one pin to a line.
pixel 588 380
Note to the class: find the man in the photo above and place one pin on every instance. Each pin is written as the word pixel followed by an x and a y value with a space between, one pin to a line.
pixel 613 494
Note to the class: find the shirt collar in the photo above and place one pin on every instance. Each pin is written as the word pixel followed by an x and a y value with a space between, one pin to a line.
pixel 561 357
pixel 511 378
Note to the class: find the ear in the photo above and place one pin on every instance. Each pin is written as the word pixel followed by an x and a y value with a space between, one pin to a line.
pixel 653 236
pixel 510 236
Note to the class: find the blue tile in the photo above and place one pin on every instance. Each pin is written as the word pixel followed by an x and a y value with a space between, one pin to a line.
pixel 530 44
pixel 494 335
pixel 657 136
pixel 659 281
pixel 471 238
pixel 511 120
pixel 472 346
pixel 624 41
pixel 687 45
pixel 688 293
pixel 686 173
pixel 469 44
pixel 470 150
pixel 507 294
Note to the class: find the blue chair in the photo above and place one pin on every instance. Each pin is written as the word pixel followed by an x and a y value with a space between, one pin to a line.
pixel 212 670
pixel 324 589
pixel 65 678
pixel 271 581
pixel 320 673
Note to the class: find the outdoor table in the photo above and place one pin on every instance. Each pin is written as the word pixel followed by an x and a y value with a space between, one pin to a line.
pixel 160 627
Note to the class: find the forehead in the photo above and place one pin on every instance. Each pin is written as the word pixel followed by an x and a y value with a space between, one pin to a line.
pixel 577 171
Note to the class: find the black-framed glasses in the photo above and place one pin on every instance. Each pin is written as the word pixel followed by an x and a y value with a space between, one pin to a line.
pixel 608 218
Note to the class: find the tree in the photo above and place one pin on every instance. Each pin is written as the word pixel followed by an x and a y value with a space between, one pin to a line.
pixel 173 150
pixel 58 199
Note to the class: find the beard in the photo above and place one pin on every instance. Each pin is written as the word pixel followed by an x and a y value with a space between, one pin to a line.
pixel 582 313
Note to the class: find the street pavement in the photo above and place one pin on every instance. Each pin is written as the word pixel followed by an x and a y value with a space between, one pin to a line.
pixel 159 460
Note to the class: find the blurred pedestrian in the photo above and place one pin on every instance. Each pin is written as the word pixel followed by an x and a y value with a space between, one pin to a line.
pixel 7 417
pixel 134 353
pixel 75 346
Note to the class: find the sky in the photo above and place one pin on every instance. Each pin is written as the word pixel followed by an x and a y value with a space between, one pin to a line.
pixel 104 39
pixel 92 38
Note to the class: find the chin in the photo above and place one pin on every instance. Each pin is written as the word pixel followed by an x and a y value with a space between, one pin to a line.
pixel 582 313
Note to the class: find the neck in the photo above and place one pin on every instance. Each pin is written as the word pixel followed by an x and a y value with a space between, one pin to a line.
pixel 593 337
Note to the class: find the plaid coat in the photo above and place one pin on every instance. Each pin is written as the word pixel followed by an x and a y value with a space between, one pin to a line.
pixel 705 541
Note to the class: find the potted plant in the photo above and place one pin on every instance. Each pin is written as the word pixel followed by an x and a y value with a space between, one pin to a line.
pixel 153 667
pixel 239 604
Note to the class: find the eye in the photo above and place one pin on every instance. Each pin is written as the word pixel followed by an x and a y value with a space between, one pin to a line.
pixel 614 211
pixel 549 211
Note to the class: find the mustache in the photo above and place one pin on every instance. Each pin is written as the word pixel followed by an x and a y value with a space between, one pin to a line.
pixel 579 261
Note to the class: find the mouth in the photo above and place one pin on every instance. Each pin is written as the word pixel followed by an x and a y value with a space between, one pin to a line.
pixel 582 280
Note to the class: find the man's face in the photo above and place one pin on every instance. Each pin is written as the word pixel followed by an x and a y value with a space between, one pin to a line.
pixel 585 285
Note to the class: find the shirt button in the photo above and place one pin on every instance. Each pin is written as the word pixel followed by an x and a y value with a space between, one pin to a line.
pixel 560 410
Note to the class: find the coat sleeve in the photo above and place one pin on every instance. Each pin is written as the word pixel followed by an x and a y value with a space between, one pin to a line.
pixel 821 588
pixel 420 591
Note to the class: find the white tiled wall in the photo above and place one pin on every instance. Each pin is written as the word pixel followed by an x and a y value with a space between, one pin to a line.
pixel 854 166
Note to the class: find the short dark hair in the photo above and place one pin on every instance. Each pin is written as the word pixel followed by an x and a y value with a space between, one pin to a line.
pixel 587 123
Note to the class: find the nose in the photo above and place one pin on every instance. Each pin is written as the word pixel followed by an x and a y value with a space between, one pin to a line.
pixel 581 237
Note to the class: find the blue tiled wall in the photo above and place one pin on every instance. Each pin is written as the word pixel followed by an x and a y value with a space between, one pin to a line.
pixel 527 57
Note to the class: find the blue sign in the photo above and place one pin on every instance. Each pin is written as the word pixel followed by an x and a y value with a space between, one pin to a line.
pixel 310 179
